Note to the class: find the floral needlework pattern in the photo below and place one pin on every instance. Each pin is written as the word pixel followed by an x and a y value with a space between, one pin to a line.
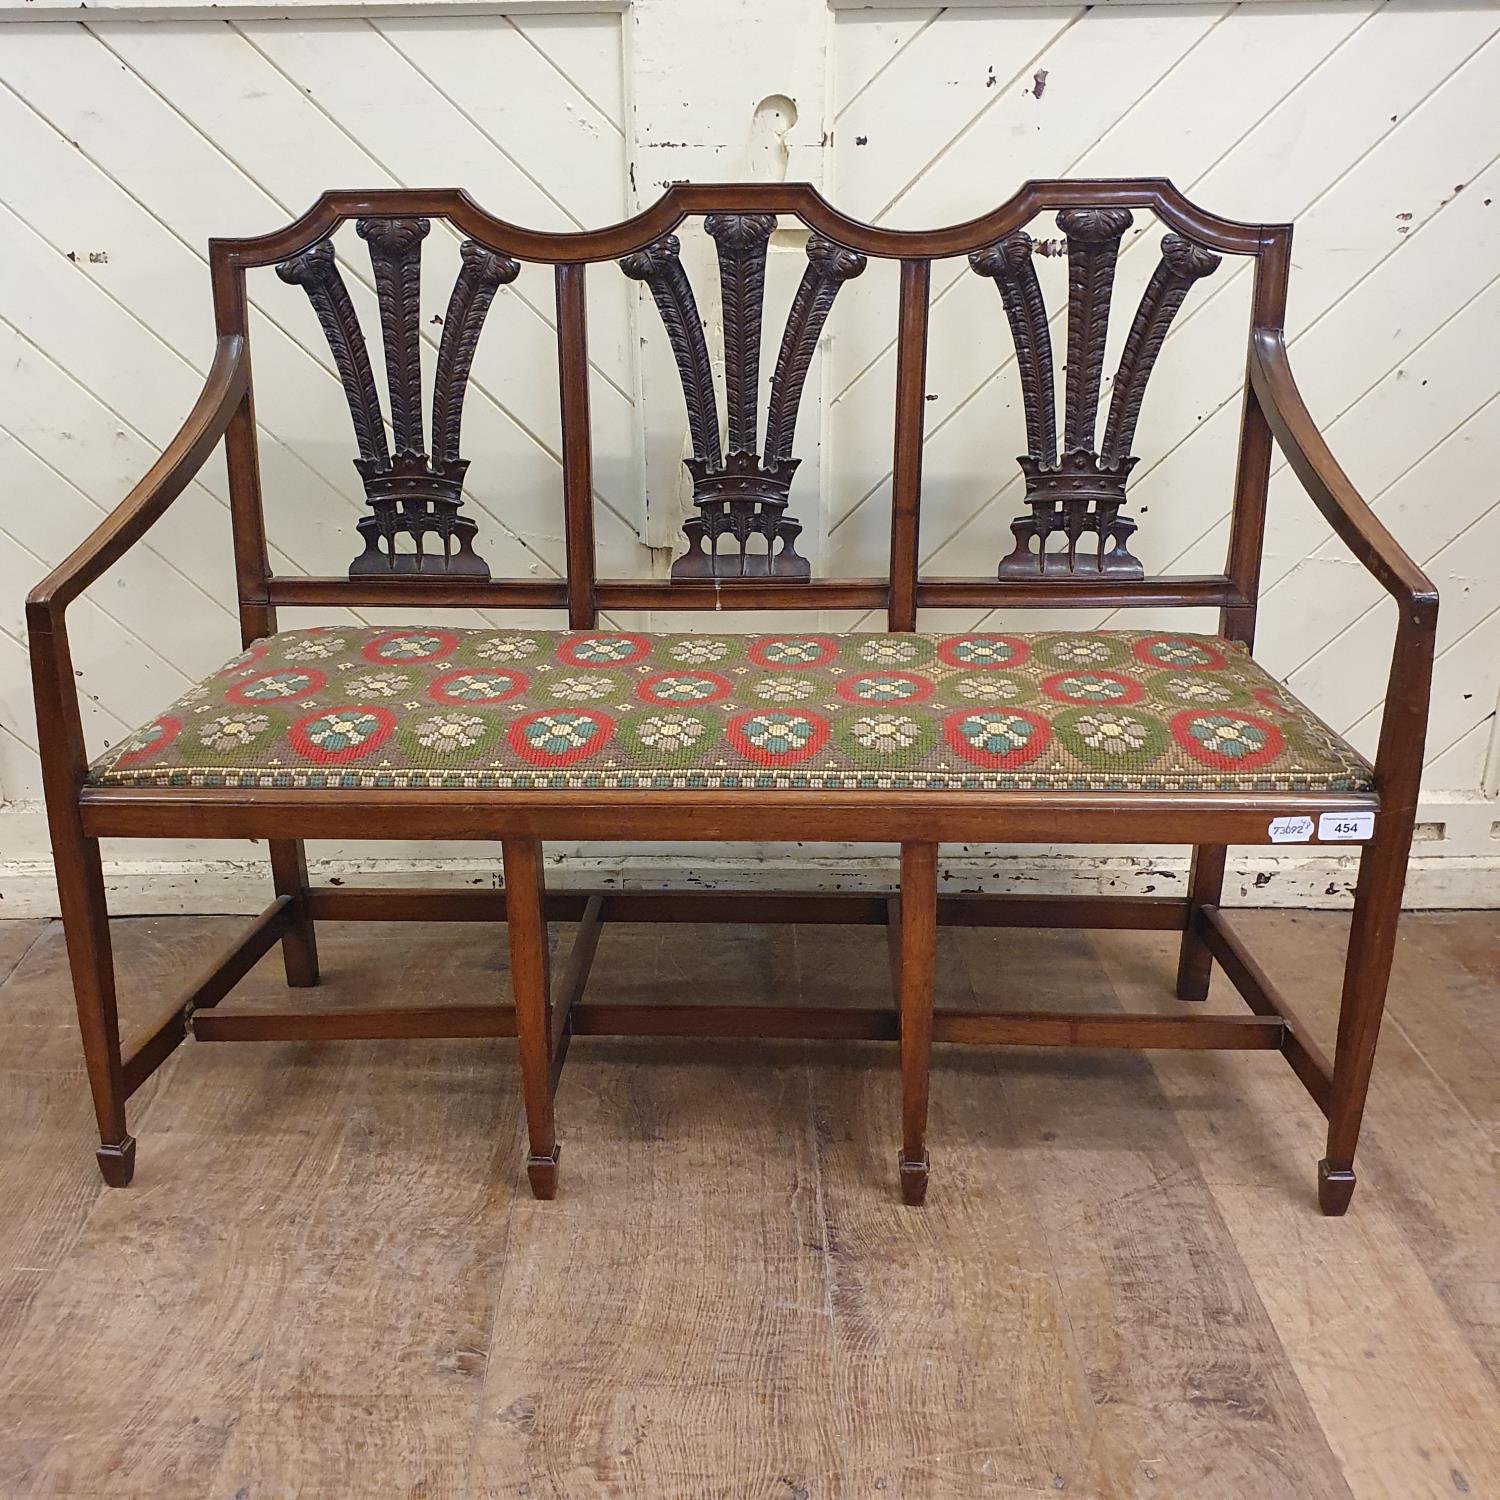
pixel 1114 711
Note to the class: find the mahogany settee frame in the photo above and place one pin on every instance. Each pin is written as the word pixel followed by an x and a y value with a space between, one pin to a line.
pixel 547 1012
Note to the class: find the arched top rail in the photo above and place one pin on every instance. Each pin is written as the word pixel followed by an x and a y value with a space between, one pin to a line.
pixel 800 199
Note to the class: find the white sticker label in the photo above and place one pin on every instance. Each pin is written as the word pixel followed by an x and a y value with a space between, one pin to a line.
pixel 1347 827
pixel 1291 830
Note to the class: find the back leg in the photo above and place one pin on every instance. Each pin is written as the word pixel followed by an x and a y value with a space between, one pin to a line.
pixel 299 948
pixel 1205 888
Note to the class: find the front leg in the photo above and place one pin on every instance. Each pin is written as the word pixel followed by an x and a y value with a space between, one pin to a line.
pixel 917 948
pixel 532 986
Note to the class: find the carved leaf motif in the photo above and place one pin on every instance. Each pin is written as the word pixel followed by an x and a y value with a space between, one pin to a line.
pixel 396 258
pixel 317 273
pixel 1093 245
pixel 1182 263
pixel 482 273
pixel 742 240
pixel 829 266
pixel 1009 265
pixel 659 265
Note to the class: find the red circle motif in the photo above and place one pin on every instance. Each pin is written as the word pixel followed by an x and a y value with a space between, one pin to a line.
pixel 430 645
pixel 994 744
pixel 167 727
pixel 980 653
pixel 557 737
pixel 1272 701
pixel 787 653
pixel 1209 658
pixel 338 745
pixel 1223 728
pixel 595 652
pixel 777 736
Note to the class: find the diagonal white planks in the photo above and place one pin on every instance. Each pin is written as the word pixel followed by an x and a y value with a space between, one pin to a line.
pixel 1368 124
pixel 127 146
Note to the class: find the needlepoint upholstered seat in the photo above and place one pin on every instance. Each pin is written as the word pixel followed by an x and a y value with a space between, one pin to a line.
pixel 1101 711
pixel 576 728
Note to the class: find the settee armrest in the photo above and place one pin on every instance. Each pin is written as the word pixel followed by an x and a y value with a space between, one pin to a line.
pixel 166 479
pixel 59 727
pixel 1403 726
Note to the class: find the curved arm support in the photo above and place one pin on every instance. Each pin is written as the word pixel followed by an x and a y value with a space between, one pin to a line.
pixel 1403 727
pixel 59 728
pixel 145 505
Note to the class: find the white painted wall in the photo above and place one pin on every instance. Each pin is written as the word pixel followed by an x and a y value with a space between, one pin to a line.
pixel 127 142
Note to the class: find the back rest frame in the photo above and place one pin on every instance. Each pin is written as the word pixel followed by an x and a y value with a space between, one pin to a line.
pixel 1234 591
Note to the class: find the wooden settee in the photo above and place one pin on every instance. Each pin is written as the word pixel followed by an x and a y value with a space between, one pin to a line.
pixel 588 732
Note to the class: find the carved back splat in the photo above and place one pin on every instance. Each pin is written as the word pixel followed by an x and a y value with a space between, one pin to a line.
pixel 1081 490
pixel 408 492
pixel 742 493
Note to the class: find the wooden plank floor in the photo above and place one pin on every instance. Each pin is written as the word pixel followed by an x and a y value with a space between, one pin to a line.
pixel 328 1280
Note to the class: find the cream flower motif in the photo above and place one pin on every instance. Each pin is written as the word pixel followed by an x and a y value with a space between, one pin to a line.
pixel 886 733
pixel 778 734
pixel 558 733
pixel 1198 690
pixel 604 648
pixel 1176 652
pixel 698 650
pixel 341 729
pixel 1080 652
pixel 406 647
pixel 775 689
pixel 887 651
pixel 1113 734
pixel 377 685
pixel 314 648
pixel 450 732
pixel 670 732
pixel 993 686
pixel 1228 737
pixel 792 652
pixel 581 687
pixel 506 648
pixel 232 731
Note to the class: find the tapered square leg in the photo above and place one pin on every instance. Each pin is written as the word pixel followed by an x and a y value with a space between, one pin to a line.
pixel 913 1180
pixel 532 984
pixel 85 918
pixel 542 1173
pixel 917 914
pixel 1205 888
pixel 1367 972
pixel 117 1162
pixel 1335 1189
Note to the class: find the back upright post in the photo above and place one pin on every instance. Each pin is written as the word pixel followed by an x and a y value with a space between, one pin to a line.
pixel 252 571
pixel 1237 621
pixel 911 404
pixel 577 441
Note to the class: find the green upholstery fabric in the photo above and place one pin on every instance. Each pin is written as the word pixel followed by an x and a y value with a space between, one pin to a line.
pixel 1115 711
